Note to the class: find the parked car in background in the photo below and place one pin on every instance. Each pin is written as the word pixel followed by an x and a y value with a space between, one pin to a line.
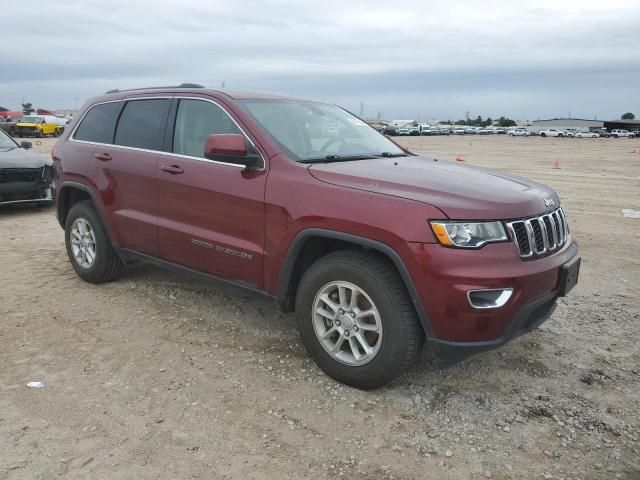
pixel 570 132
pixel 251 191
pixel 519 132
pixel 391 130
pixel 587 135
pixel 552 132
pixel 501 131
pixel 25 177
pixel 459 130
pixel 40 126
pixel 470 131
pixel 603 133
pixel 617 133
pixel 444 131
pixel 404 130
pixel 8 125
pixel 414 131
pixel 487 131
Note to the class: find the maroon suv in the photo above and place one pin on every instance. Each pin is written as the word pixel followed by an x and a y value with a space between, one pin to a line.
pixel 379 251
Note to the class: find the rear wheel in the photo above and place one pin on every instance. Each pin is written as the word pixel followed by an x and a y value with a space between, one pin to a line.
pixel 356 319
pixel 88 247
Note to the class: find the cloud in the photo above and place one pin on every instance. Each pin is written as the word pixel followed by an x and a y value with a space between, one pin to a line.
pixel 493 56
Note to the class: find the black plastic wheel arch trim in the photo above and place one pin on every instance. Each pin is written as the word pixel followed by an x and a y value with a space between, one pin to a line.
pixel 286 271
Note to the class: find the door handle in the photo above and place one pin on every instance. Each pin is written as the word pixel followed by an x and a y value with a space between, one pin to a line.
pixel 105 157
pixel 172 169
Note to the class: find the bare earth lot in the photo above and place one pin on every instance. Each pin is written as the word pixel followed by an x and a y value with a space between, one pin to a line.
pixel 162 376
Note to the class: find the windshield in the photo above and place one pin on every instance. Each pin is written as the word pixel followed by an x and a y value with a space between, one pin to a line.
pixel 317 131
pixel 30 120
pixel 6 141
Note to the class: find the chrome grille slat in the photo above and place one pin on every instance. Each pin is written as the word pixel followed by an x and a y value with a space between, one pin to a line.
pixel 540 234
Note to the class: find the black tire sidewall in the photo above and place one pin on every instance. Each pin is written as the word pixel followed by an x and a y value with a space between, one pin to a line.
pixel 384 367
pixel 97 271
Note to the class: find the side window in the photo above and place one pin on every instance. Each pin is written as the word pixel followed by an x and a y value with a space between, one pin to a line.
pixel 99 124
pixel 142 124
pixel 195 121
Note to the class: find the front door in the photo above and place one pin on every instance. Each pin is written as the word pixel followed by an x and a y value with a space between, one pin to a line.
pixel 211 215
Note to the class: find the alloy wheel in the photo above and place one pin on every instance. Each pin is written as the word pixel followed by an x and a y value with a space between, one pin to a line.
pixel 83 243
pixel 347 323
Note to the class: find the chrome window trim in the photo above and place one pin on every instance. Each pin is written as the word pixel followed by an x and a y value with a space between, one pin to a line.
pixel 189 157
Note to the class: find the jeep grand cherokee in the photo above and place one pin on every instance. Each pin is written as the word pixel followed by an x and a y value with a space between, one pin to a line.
pixel 379 251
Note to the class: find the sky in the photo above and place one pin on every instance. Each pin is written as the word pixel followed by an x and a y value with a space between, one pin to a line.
pixel 400 60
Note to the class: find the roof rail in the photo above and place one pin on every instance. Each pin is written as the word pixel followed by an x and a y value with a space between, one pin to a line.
pixel 182 85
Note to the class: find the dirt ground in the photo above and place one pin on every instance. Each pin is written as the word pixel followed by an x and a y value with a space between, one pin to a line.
pixel 159 375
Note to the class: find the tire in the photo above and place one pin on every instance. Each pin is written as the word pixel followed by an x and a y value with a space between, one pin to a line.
pixel 543 134
pixel 106 265
pixel 401 337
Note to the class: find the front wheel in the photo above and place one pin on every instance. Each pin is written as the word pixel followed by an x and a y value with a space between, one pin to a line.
pixel 356 319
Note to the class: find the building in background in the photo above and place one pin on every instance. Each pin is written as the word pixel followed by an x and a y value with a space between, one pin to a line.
pixel 580 124
pixel 630 125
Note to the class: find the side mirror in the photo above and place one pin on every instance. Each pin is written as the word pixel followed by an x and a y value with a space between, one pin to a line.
pixel 26 145
pixel 231 148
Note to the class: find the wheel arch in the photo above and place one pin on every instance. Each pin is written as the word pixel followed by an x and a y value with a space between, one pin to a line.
pixel 71 193
pixel 313 243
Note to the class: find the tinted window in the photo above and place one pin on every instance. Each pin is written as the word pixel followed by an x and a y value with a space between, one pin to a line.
pixel 195 121
pixel 142 124
pixel 99 123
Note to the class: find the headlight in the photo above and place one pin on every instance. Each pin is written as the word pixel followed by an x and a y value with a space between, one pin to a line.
pixel 468 234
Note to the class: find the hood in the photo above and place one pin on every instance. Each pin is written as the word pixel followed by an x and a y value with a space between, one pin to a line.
pixel 462 192
pixel 21 158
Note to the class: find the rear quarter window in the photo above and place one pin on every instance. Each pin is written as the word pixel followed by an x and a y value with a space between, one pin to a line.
pixel 142 124
pixel 99 124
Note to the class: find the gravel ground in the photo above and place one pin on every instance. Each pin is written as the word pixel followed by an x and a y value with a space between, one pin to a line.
pixel 159 375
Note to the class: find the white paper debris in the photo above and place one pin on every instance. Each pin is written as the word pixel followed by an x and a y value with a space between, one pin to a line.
pixel 35 384
pixel 627 212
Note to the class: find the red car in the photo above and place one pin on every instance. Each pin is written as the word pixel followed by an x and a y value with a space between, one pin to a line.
pixel 379 251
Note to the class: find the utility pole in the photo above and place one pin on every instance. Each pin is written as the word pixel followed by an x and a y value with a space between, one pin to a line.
pixel 361 109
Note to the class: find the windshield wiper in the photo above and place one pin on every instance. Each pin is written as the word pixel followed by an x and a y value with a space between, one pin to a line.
pixel 337 158
pixel 391 155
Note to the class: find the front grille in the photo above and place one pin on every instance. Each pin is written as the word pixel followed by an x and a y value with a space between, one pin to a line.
pixel 539 235
pixel 10 175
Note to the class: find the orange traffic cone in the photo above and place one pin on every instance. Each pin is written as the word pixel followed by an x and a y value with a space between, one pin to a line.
pixel 556 164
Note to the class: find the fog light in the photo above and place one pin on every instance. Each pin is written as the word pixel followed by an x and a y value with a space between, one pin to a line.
pixel 494 298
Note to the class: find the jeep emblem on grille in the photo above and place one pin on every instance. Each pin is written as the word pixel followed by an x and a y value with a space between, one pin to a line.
pixel 548 202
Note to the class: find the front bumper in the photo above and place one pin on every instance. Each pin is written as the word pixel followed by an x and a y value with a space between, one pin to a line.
pixel 444 352
pixel 443 277
pixel 27 186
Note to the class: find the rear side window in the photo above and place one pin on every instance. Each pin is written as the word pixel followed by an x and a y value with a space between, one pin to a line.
pixel 195 121
pixel 99 123
pixel 142 124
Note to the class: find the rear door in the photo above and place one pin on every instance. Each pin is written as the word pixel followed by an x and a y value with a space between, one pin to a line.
pixel 211 215
pixel 125 173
